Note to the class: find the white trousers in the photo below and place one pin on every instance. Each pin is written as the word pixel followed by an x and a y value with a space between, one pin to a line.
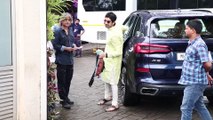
pixel 111 91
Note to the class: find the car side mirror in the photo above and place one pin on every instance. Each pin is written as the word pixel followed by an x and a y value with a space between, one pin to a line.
pixel 139 34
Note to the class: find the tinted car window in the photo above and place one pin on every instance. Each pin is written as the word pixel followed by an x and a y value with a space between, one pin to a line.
pixel 173 4
pixel 129 23
pixel 137 25
pixel 175 28
pixel 104 5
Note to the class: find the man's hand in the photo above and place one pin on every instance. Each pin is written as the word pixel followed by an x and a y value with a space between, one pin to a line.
pixel 70 49
pixel 102 55
pixel 210 79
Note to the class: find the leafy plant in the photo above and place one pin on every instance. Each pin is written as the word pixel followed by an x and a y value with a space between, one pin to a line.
pixel 54 9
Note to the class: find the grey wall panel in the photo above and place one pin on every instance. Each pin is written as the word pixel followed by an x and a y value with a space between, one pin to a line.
pixel 6 94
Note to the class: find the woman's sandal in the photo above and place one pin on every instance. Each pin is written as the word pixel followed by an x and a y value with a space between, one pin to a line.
pixel 112 108
pixel 103 101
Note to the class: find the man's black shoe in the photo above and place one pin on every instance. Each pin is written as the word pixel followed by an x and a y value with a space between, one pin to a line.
pixel 69 101
pixel 66 105
pixel 61 102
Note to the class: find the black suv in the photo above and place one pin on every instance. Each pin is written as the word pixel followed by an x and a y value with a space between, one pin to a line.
pixel 153 54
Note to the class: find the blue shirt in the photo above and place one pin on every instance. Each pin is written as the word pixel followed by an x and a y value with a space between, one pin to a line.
pixel 193 71
pixel 61 41
pixel 77 29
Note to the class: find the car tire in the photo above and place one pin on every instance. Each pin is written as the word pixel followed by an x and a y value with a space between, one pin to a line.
pixel 127 98
pixel 210 99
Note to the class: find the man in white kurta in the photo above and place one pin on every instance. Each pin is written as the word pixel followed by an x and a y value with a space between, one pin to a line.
pixel 112 61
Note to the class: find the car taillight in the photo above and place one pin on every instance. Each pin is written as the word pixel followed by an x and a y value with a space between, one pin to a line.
pixel 151 48
pixel 142 69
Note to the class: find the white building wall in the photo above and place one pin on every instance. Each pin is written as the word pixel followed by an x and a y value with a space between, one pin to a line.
pixel 30 50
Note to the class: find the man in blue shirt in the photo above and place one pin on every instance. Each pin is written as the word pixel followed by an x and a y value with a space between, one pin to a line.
pixel 64 45
pixel 195 74
pixel 78 31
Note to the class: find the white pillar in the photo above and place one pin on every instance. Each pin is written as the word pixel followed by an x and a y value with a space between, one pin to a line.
pixel 30 37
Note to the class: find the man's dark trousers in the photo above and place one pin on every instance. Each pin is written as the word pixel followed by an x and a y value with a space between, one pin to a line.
pixel 64 75
pixel 78 52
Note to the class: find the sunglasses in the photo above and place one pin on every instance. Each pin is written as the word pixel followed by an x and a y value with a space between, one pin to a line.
pixel 107 21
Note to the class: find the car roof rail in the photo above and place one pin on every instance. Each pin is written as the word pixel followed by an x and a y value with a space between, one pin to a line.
pixel 202 10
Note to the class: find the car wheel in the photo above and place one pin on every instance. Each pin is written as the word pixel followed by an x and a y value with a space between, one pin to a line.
pixel 210 99
pixel 127 98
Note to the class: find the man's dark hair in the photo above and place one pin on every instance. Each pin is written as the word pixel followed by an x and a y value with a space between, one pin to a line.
pixel 195 24
pixel 78 19
pixel 112 16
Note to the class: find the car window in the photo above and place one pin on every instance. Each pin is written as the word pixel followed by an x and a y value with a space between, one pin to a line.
pixel 168 28
pixel 165 25
pixel 129 24
pixel 137 25
pixel 175 28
